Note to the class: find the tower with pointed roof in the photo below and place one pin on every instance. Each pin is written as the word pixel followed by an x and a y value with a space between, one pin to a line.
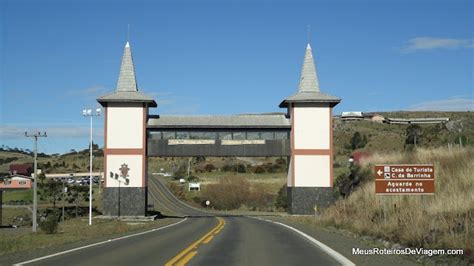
pixel 310 173
pixel 125 163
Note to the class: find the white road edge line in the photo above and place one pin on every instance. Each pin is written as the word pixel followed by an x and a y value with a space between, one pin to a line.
pixel 97 244
pixel 331 252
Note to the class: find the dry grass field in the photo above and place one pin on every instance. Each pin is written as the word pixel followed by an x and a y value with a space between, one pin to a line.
pixel 70 231
pixel 443 220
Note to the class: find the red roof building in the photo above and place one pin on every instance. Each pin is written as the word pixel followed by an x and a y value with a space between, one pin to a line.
pixel 25 169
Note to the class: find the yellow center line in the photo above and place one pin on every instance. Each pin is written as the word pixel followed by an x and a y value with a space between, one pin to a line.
pixel 208 239
pixel 186 258
pixel 219 229
pixel 188 253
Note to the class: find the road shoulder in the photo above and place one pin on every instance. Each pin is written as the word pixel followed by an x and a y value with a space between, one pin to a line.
pixel 344 243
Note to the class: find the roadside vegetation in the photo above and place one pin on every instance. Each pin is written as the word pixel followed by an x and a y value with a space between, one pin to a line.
pixel 53 231
pixel 443 220
pixel 247 184
pixel 70 231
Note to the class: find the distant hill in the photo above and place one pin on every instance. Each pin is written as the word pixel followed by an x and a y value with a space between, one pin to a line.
pixel 379 137
pixel 386 137
pixel 68 162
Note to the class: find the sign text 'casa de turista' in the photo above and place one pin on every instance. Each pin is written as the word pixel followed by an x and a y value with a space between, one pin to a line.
pixel 404 179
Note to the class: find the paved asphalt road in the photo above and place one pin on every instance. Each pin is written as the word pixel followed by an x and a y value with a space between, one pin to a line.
pixel 202 239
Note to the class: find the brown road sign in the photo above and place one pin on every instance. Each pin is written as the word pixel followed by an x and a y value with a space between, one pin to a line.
pixel 404 179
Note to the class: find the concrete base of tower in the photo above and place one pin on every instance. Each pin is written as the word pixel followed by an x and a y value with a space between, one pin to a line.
pixel 309 200
pixel 124 201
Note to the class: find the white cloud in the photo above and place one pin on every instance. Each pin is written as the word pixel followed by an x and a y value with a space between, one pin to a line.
pixel 88 94
pixel 16 131
pixel 432 43
pixel 94 90
pixel 171 103
pixel 162 98
pixel 456 103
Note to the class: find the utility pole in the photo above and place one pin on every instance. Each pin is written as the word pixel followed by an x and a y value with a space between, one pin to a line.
pixel 35 176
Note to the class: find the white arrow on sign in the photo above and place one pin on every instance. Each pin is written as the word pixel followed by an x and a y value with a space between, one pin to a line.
pixel 380 172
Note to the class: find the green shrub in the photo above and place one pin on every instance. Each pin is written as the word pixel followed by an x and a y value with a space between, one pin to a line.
pixel 241 168
pixel 281 201
pixel 209 167
pixel 230 193
pixel 194 178
pixel 280 161
pixel 347 183
pixel 228 168
pixel 358 141
pixel 50 223
pixel 259 170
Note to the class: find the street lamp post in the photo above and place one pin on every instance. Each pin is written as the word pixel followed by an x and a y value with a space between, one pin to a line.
pixel 90 114
pixel 35 176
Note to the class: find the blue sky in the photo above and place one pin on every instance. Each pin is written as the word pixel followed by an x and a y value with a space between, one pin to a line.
pixel 226 57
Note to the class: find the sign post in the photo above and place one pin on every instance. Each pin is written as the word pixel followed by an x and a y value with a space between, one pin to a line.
pixel 404 179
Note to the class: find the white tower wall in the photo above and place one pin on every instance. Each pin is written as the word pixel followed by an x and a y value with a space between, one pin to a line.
pixel 125 143
pixel 311 146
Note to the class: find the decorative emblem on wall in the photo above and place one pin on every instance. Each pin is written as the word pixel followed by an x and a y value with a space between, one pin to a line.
pixel 124 170
pixel 123 174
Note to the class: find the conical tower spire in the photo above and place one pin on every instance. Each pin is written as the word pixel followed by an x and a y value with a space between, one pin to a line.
pixel 126 80
pixel 308 90
pixel 309 78
pixel 127 90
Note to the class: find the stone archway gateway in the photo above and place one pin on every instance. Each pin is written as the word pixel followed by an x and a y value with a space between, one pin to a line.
pixel 304 134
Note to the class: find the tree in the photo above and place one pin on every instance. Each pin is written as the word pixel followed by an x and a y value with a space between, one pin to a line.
pixel 346 183
pixel 50 223
pixel 280 161
pixel 357 141
pixel 241 168
pixel 45 166
pixel 198 159
pixel 77 194
pixel 281 200
pixel 209 167
pixel 95 146
pixel 181 169
pixel 413 135
pixel 259 169
pixel 51 189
